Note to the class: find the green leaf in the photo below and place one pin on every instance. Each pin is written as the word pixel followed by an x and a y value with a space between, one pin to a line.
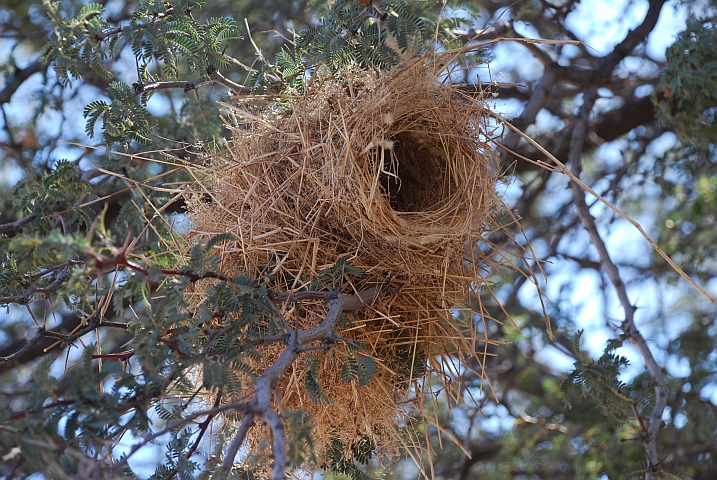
pixel 120 91
pixel 88 10
pixel 217 239
pixel 312 384
pixel 598 381
pixel 214 375
pixel 367 369
pixel 92 113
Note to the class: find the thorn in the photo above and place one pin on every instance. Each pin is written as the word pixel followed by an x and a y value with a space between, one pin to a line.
pixel 196 95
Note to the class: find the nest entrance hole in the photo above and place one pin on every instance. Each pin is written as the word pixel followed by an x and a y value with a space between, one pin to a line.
pixel 418 179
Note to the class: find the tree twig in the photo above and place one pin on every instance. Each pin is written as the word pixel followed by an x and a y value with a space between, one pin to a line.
pixel 239 437
pixel 17 78
pixel 497 29
pixel 187 86
pixel 541 55
pixel 237 406
pixel 27 297
pixel 260 406
pixel 202 430
pixel 34 276
pixel 217 77
pixel 17 224
pixel 628 327
pixel 65 339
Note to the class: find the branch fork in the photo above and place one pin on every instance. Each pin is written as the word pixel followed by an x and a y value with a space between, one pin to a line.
pixel 259 407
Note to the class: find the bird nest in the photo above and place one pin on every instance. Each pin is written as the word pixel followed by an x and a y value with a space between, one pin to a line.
pixel 392 175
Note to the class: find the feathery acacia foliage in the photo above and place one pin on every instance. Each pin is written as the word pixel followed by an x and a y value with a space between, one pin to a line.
pixel 598 380
pixel 169 345
pixel 162 32
pixel 690 86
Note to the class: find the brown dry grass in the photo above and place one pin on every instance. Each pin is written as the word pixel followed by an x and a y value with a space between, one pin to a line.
pixel 394 173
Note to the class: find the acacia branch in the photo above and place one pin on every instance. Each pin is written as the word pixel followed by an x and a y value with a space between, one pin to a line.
pixel 66 339
pixel 28 296
pixel 602 74
pixel 24 349
pixel 22 36
pixel 239 438
pixel 102 263
pixel 48 270
pixel 584 77
pixel 186 86
pixel 633 38
pixel 213 76
pixel 17 78
pixel 17 224
pixel 217 77
pixel 154 16
pixel 628 326
pixel 260 405
pixel 68 324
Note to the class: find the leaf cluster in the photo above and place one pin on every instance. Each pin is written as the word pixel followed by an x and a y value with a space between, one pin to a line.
pixel 372 35
pixel 170 342
pixel 690 85
pixel 337 461
pixel 77 41
pixel 161 33
pixel 598 381
pixel 59 191
pixel 122 120
pixel 352 32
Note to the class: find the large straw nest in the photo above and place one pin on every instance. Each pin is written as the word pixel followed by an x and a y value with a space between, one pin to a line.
pixel 393 173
